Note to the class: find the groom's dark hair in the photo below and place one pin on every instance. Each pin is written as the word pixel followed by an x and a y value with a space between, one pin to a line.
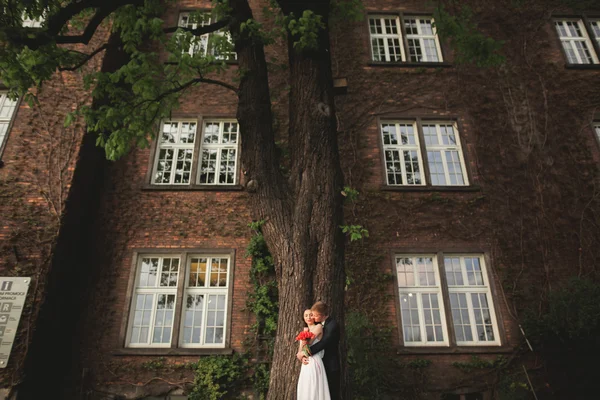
pixel 320 307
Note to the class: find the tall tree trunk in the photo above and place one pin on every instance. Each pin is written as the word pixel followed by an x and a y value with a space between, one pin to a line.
pixel 303 214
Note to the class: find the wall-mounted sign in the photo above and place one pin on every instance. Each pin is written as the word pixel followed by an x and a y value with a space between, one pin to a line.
pixel 12 297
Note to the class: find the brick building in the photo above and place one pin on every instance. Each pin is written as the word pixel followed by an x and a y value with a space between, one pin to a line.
pixel 478 188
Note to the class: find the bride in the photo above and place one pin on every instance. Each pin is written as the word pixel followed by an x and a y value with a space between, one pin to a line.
pixel 312 384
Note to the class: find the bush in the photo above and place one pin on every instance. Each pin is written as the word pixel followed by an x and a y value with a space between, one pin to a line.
pixel 567 334
pixel 218 377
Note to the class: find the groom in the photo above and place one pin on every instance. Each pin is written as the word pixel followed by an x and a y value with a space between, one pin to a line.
pixel 329 342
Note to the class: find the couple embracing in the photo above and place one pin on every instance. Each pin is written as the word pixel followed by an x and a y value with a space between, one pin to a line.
pixel 319 354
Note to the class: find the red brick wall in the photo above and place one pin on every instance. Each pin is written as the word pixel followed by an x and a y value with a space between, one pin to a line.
pixel 531 212
pixel 39 157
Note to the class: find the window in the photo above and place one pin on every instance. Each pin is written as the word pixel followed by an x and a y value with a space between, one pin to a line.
pixel 32 23
pixel 422 298
pixel 419 44
pixel 576 42
pixel 7 110
pixel 423 320
pixel 597 130
pixel 219 153
pixel 175 153
pixel 422 41
pixel 202 281
pixel 217 44
pixel 178 148
pixel 595 24
pixel 404 153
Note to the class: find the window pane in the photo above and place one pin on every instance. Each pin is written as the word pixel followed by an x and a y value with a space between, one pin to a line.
pixel 218 276
pixel 390 136
pixel 148 272
pixel 218 163
pixel 401 153
pixel 483 321
pixel 407 134
pixel 141 318
pixel 412 168
pixel 163 320
pixel 421 39
pixel 460 317
pixel 433 321
pixel 193 318
pixel 405 268
pixel 472 316
pixel 575 41
pixel 410 318
pixel 444 154
pixel 211 133
pixel 436 168
pixel 426 273
pixel 7 107
pixel 473 269
pixel 175 153
pixel 453 271
pixel 208 166
pixel 197 277
pixel 385 39
pixel 169 272
pixel 393 167
pixel 215 323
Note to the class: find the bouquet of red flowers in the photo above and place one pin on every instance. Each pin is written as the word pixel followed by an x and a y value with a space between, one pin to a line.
pixel 305 335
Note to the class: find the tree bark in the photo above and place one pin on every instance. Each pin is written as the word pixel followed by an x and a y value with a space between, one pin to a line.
pixel 302 214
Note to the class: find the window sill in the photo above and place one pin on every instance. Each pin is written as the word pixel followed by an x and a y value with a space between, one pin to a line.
pixel 207 188
pixel 471 188
pixel 455 350
pixel 171 352
pixel 410 64
pixel 583 66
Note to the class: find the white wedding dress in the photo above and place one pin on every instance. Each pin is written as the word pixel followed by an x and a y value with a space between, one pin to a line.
pixel 312 384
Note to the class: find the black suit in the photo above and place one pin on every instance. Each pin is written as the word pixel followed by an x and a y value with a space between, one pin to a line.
pixel 331 360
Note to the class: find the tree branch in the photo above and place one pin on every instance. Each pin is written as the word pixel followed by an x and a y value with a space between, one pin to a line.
pixel 186 85
pixel 64 15
pixel 90 29
pixel 86 59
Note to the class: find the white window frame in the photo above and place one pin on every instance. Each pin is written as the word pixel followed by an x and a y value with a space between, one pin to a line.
pixel 572 39
pixel 475 289
pixel 418 291
pixel 387 37
pixel 206 291
pixel 401 148
pixel 218 147
pixel 443 148
pixel 421 37
pixel 176 147
pixel 155 291
pixel 179 291
pixel 5 121
pixel 444 301
pixel 32 23
pixel 204 40
pixel 422 150
pixel 595 28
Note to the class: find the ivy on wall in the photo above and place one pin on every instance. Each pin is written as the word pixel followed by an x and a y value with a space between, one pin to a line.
pixel 262 302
